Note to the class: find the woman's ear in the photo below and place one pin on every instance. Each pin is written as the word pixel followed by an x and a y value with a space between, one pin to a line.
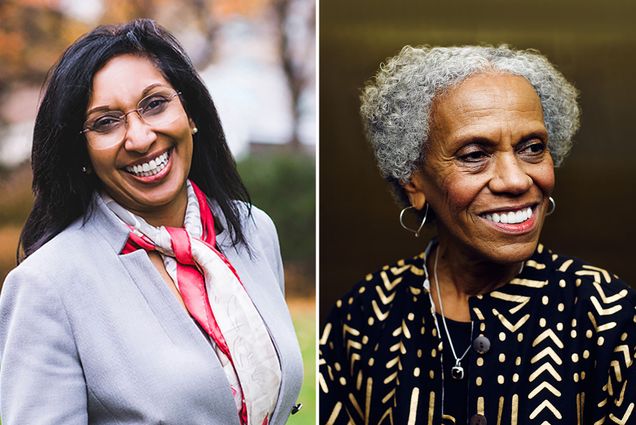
pixel 415 191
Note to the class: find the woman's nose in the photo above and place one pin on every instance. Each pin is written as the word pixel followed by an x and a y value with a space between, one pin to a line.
pixel 139 135
pixel 509 176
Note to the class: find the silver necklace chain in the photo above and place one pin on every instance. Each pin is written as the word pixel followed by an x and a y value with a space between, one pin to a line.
pixel 458 360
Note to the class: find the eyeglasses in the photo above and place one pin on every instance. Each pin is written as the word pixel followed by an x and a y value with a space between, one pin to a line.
pixel 109 129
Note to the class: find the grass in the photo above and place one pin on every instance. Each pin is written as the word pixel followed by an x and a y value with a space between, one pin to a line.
pixel 303 311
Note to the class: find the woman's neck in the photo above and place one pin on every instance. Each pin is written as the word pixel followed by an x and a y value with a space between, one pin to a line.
pixel 171 214
pixel 470 276
pixel 173 217
pixel 461 276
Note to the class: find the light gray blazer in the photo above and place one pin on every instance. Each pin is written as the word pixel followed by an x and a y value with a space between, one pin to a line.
pixel 88 336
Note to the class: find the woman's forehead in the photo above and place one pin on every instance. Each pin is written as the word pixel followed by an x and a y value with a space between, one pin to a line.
pixel 488 89
pixel 486 101
pixel 123 79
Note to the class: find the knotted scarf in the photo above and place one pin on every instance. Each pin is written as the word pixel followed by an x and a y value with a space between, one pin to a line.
pixel 217 300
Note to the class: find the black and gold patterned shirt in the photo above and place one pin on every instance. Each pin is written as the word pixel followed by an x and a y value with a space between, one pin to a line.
pixel 556 345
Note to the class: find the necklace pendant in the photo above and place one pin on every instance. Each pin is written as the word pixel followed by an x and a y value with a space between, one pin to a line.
pixel 457 372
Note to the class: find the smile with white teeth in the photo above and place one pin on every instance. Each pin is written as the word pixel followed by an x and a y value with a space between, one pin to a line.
pixel 511 217
pixel 150 168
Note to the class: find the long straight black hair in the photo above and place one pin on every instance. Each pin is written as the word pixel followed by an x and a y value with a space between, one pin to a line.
pixel 62 191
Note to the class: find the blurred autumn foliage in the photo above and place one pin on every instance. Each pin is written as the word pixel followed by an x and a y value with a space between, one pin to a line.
pixel 15 204
pixel 33 33
pixel 31 39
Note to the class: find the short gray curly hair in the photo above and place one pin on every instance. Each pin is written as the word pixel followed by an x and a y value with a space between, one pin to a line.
pixel 396 103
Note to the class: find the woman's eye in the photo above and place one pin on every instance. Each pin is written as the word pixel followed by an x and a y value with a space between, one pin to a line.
pixel 154 105
pixel 474 156
pixel 534 148
pixel 106 123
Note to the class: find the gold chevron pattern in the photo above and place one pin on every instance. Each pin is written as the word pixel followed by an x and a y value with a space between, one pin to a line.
pixel 546 405
pixel 547 352
pixel 512 328
pixel 545 385
pixel 554 331
pixel 548 334
pixel 393 367
pixel 520 301
pixel 545 381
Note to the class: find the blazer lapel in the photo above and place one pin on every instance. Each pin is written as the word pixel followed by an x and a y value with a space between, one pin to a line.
pixel 171 315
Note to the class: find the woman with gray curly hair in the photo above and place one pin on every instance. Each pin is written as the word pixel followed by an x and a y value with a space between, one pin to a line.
pixel 486 325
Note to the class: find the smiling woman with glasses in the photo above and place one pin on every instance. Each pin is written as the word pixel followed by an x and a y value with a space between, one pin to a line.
pixel 149 289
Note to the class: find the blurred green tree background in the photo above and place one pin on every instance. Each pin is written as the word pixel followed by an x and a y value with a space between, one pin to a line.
pixel 283 185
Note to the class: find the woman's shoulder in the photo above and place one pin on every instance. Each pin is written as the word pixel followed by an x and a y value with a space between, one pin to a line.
pixel 406 272
pixel 258 227
pixel 63 246
pixel 59 259
pixel 252 219
pixel 376 292
pixel 584 290
pixel 260 220
pixel 576 273
pixel 37 275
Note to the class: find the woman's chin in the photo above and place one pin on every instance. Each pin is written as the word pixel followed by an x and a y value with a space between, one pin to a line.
pixel 511 253
pixel 511 243
pixel 487 243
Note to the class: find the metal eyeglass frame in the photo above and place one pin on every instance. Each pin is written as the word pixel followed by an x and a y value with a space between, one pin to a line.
pixel 124 115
